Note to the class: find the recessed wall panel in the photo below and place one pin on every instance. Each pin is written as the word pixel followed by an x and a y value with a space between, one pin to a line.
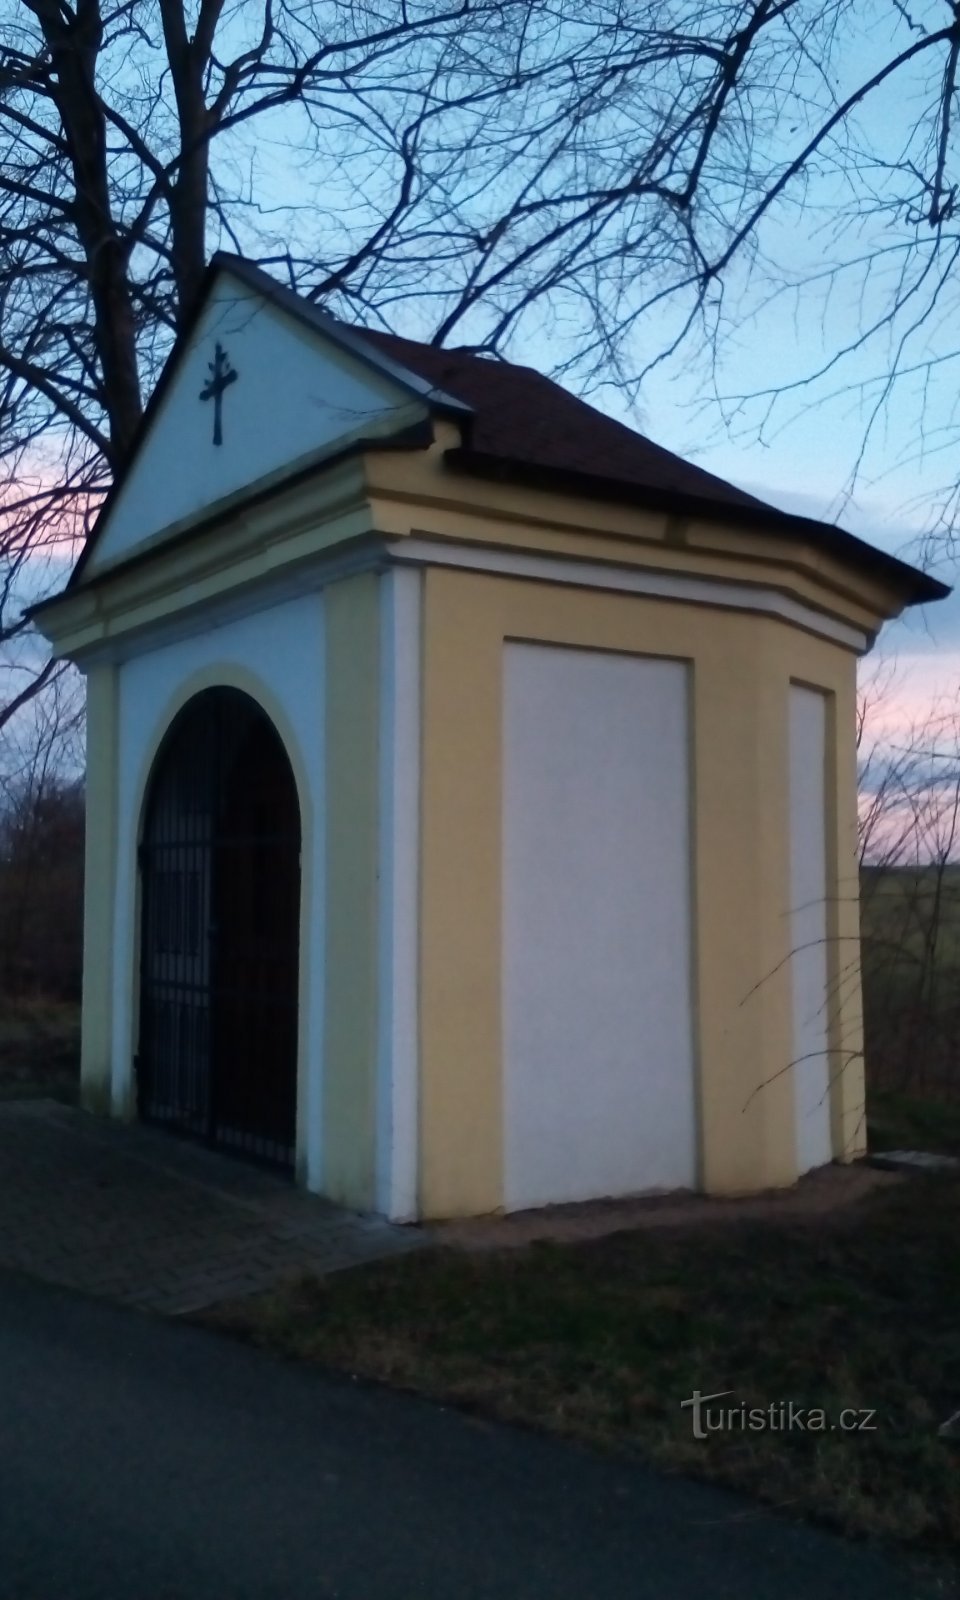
pixel 597 1006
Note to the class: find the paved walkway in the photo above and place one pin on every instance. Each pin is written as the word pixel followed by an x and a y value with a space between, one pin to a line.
pixel 134 1215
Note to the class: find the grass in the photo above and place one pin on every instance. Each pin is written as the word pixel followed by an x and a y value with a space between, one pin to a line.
pixel 39 1048
pixel 602 1340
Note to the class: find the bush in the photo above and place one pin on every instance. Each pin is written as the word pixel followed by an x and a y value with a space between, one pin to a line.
pixel 41 889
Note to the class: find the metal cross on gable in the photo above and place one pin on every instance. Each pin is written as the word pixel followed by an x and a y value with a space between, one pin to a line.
pixel 221 376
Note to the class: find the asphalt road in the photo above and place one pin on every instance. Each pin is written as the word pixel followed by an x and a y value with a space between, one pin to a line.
pixel 145 1460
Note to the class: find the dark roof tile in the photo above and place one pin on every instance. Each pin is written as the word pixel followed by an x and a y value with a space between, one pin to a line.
pixel 524 417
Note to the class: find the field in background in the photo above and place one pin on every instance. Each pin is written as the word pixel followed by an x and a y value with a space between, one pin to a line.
pixel 910 958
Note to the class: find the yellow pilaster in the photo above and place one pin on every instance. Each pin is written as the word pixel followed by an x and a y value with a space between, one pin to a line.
pixel 461 1144
pixel 845 1012
pixel 742 850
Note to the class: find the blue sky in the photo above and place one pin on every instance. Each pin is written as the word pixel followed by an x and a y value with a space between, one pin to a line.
pixel 806 470
pixel 807 455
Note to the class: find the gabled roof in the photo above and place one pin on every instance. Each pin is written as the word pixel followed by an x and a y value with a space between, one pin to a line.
pixel 520 426
pixel 527 429
pixel 521 416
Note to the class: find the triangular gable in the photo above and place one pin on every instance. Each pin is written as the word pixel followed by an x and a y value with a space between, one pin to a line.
pixel 292 384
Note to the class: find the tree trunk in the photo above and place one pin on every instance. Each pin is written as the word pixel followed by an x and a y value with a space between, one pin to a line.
pixel 188 201
pixel 74 42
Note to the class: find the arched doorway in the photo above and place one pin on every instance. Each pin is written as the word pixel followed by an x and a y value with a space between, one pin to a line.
pixel 220 879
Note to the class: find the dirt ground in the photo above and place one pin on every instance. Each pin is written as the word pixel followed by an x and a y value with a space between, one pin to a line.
pixel 828 1192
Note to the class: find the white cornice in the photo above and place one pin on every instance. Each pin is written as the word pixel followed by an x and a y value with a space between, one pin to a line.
pixel 116 638
pixel 633 580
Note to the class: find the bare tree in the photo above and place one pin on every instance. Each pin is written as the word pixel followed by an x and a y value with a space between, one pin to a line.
pixel 466 166
pixel 910 888
pixel 41 844
pixel 472 171
pixel 909 773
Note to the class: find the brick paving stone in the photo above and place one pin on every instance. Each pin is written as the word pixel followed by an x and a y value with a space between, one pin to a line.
pixel 129 1213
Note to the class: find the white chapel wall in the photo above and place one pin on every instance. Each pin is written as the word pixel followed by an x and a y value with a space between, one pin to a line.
pixel 294 394
pixel 281 651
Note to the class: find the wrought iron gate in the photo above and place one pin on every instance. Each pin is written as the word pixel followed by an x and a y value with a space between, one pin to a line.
pixel 220 882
